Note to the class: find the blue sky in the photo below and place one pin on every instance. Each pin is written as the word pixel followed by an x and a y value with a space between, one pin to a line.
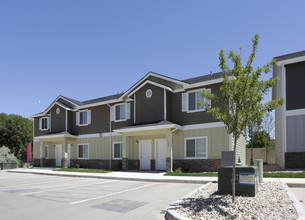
pixel 89 49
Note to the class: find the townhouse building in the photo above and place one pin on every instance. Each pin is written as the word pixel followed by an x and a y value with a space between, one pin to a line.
pixel 157 124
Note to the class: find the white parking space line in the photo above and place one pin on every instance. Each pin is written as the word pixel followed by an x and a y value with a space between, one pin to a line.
pixel 112 194
pixel 68 187
pixel 33 184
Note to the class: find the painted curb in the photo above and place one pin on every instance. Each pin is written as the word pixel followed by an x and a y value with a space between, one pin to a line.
pixel 114 177
pixel 171 214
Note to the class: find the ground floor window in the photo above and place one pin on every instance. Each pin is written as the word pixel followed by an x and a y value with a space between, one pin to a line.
pixel 46 151
pixel 83 151
pixel 117 150
pixel 196 147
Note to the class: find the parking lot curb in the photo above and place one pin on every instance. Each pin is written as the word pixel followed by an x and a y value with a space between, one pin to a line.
pixel 192 181
pixel 298 207
pixel 171 213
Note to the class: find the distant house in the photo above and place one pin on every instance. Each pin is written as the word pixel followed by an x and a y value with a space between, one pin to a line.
pixel 290 118
pixel 155 125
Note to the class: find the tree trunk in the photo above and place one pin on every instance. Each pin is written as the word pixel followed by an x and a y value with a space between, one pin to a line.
pixel 234 170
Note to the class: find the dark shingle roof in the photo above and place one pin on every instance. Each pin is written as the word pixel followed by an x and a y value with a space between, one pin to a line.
pixel 203 78
pixel 290 55
pixel 102 99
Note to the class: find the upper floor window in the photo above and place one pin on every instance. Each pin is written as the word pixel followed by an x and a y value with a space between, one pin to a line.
pixel 196 148
pixel 83 117
pixel 192 101
pixel 120 112
pixel 44 123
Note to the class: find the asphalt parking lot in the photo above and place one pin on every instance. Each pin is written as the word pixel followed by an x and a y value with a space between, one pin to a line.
pixel 29 196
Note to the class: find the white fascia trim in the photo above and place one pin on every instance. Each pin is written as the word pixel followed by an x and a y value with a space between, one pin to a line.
pixel 55 136
pixel 110 134
pixel 152 83
pixel 155 75
pixel 204 83
pixel 204 125
pixel 156 127
pixel 51 106
pixel 89 135
pixel 100 103
pixel 38 115
pixel 292 60
pixel 295 112
pixel 178 90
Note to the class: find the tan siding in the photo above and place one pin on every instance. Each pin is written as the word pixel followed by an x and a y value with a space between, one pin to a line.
pixel 279 146
pixel 260 153
pixel 98 147
pixel 218 140
pixel 241 150
pixel 36 150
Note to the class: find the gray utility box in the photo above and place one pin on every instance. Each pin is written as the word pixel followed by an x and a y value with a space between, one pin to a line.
pixel 246 181
pixel 5 166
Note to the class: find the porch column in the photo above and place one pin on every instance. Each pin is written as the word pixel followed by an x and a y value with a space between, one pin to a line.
pixel 124 153
pixel 65 154
pixel 42 154
pixel 168 151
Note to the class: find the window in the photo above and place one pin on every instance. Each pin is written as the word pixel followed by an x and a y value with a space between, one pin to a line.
pixel 120 112
pixel 117 150
pixel 46 151
pixel 44 123
pixel 83 151
pixel 83 118
pixel 196 148
pixel 194 99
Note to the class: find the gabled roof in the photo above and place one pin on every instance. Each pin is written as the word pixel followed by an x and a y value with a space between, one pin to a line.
pixel 290 56
pixel 203 78
pixel 187 83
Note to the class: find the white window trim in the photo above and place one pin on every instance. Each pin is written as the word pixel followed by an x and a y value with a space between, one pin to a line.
pixel 117 142
pixel 47 149
pixel 194 138
pixel 79 118
pixel 83 158
pixel 48 122
pixel 187 101
pixel 115 120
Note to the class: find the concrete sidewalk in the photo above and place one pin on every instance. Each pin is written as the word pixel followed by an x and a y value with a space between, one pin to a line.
pixel 146 176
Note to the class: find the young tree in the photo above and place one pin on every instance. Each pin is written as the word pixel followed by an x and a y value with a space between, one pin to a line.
pixel 242 91
pixel 252 130
pixel 268 126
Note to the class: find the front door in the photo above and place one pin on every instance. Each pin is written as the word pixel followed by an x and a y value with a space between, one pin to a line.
pixel 145 154
pixel 58 154
pixel 160 154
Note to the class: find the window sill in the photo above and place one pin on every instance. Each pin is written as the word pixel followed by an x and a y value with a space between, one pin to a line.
pixel 195 158
pixel 199 110
pixel 116 158
pixel 83 158
pixel 83 125
pixel 120 120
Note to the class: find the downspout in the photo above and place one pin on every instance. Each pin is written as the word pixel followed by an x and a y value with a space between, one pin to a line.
pixel 171 146
pixel 110 133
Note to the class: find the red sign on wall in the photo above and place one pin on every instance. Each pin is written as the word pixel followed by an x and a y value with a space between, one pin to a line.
pixel 29 151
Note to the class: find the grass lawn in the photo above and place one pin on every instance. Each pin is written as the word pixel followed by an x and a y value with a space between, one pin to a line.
pixel 83 170
pixel 285 175
pixel 191 174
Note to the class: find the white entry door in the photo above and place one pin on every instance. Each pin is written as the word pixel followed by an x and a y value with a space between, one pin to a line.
pixel 160 154
pixel 145 154
pixel 69 154
pixel 58 154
